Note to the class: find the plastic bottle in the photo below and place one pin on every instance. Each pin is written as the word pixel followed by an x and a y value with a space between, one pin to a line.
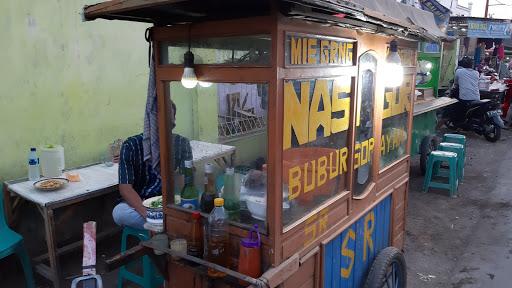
pixel 189 194
pixel 231 196
pixel 209 193
pixel 195 244
pixel 249 262
pixel 33 165
pixel 218 238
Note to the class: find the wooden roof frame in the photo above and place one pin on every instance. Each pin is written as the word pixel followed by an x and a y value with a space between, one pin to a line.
pixel 347 14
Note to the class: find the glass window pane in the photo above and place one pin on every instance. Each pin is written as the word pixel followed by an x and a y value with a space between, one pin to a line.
pixel 395 122
pixel 363 149
pixel 237 50
pixel 315 140
pixel 201 117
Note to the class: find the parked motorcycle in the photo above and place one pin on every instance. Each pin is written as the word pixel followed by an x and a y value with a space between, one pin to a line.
pixel 481 117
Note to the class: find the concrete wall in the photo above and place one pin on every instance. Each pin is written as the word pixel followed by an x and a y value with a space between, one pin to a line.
pixel 63 81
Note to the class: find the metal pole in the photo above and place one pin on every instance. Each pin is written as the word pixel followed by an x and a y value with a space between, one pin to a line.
pixel 486 8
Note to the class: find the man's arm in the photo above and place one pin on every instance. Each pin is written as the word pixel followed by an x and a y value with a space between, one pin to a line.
pixel 132 198
pixel 127 178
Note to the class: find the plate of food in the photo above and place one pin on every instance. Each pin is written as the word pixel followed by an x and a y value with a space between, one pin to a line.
pixel 51 184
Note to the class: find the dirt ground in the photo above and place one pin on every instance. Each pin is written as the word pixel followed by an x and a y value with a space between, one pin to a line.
pixel 466 241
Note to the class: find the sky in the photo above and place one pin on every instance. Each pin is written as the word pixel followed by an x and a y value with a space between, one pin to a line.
pixel 498 8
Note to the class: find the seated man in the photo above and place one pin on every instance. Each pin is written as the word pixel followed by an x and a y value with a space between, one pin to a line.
pixel 467 80
pixel 139 181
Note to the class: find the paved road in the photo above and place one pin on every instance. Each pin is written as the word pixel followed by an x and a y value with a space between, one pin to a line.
pixel 467 241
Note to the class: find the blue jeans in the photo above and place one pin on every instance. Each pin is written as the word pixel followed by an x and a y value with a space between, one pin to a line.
pixel 125 215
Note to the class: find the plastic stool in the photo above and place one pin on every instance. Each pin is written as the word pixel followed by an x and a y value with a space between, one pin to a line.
pixel 12 243
pixel 456 148
pixel 456 138
pixel 453 181
pixel 150 277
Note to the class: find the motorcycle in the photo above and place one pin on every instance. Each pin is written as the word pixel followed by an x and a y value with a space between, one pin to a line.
pixel 481 116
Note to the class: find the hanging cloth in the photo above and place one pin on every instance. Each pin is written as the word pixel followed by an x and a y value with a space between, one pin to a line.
pixel 150 139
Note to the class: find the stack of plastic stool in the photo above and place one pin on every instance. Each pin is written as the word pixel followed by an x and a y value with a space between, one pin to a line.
pixel 434 158
pixel 455 148
pixel 456 138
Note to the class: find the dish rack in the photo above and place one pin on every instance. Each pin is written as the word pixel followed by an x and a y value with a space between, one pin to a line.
pixel 241 124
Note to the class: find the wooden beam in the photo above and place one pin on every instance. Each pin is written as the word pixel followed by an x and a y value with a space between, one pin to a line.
pixel 118 6
pixel 75 245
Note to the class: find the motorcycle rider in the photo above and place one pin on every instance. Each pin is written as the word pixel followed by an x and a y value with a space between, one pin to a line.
pixel 466 78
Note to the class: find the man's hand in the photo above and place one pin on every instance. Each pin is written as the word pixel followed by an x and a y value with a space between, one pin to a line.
pixel 132 198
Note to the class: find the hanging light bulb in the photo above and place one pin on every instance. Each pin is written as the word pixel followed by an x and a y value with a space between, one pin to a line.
pixel 205 84
pixel 189 79
pixel 393 70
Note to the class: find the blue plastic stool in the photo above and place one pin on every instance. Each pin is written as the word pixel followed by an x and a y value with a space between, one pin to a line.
pixel 150 277
pixel 453 181
pixel 12 243
pixel 456 148
pixel 456 138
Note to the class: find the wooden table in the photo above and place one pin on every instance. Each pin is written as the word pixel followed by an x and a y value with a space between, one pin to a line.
pixel 421 107
pixel 95 180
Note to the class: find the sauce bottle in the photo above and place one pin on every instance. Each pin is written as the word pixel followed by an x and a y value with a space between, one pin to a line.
pixel 209 189
pixel 249 262
pixel 195 244
pixel 218 238
pixel 231 196
pixel 189 194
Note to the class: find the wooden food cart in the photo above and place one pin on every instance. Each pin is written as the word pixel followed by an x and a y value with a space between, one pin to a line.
pixel 301 89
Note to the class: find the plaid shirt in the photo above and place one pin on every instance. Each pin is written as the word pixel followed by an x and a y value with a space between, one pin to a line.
pixel 135 171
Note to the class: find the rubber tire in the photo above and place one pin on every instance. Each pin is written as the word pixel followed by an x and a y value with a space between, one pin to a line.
pixel 497 134
pixel 428 144
pixel 380 265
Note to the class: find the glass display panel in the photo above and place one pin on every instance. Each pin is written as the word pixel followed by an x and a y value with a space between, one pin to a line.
pixel 315 143
pixel 395 122
pixel 201 121
pixel 236 50
pixel 364 140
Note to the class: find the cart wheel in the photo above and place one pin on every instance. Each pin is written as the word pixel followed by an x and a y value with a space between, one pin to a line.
pixel 388 270
pixel 428 144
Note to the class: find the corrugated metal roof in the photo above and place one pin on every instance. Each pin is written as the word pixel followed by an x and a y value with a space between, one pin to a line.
pixel 378 16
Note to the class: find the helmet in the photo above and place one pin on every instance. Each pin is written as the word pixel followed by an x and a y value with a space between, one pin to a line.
pixel 466 62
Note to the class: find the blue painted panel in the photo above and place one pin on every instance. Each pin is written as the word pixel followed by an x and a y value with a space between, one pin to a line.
pixel 348 257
